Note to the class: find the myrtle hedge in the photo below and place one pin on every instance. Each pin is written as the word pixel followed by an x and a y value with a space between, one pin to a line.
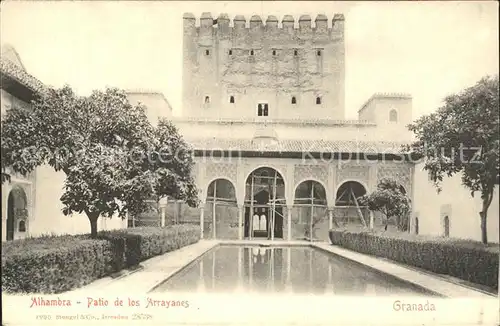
pixel 55 264
pixel 468 260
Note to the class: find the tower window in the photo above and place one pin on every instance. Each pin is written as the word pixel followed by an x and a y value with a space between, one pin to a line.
pixel 207 99
pixel 207 52
pixel 274 52
pixel 393 116
pixel 294 100
pixel 231 99
pixel 318 53
pixel 262 110
pixel 230 52
pixel 295 53
pixel 318 100
pixel 251 52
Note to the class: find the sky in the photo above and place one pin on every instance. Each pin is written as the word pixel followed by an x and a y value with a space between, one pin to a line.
pixel 428 49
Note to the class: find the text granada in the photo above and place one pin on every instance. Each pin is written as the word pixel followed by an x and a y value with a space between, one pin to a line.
pixel 407 306
pixel 40 301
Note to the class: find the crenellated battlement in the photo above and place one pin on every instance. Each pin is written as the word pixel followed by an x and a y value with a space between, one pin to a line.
pixel 304 24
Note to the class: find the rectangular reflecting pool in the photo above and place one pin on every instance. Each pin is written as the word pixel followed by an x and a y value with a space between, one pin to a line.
pixel 287 270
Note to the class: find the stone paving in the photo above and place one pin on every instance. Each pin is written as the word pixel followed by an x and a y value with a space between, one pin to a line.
pixel 158 269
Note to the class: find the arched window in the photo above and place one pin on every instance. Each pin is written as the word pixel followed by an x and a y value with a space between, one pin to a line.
pixel 251 52
pixel 318 53
pixel 295 53
pixel 274 52
pixel 294 100
pixel 230 52
pixel 231 99
pixel 207 99
pixel 22 226
pixel 318 100
pixel 348 193
pixel 207 52
pixel 393 116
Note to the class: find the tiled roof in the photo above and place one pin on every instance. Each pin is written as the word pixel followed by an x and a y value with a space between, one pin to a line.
pixel 296 145
pixel 18 74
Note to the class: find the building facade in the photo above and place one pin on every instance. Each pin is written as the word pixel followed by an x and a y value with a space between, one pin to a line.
pixel 263 107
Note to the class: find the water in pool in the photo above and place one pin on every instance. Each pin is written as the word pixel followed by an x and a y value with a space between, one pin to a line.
pixel 295 270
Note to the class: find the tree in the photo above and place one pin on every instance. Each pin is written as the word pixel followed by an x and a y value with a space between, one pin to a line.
pixel 390 200
pixel 113 158
pixel 462 137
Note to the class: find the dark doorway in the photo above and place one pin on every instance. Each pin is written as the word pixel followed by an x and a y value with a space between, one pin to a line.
pixel 10 217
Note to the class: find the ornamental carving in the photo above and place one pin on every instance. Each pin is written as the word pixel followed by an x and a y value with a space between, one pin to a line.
pixel 220 170
pixel 399 172
pixel 310 171
pixel 352 171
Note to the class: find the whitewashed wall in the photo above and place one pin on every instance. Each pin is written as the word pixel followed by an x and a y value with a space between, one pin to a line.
pixel 454 201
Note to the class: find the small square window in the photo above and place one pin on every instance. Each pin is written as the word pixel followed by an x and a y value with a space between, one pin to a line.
pixel 231 99
pixel 295 53
pixel 251 52
pixel 274 52
pixel 207 52
pixel 294 100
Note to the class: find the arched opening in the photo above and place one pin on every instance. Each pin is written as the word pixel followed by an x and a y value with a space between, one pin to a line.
pixel 348 208
pixel 221 220
pixel 230 52
pixel 207 99
pixel 16 209
pixel 251 52
pixel 231 99
pixel 318 100
pixel 310 209
pixel 393 116
pixel 294 100
pixel 207 52
pixel 264 202
pixel 446 226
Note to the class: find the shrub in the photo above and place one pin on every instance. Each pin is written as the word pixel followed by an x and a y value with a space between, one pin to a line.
pixel 54 264
pixel 467 260
pixel 145 242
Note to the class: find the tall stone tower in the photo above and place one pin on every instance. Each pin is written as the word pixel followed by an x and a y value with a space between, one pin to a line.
pixel 267 71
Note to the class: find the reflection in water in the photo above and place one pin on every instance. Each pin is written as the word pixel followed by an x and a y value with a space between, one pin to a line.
pixel 297 270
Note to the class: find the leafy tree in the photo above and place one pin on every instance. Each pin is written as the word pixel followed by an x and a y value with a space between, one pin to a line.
pixel 113 158
pixel 462 137
pixel 390 200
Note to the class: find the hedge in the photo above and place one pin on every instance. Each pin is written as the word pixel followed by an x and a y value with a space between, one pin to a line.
pixel 467 260
pixel 55 264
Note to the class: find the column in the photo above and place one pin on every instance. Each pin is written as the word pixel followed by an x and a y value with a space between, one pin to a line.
pixel 330 218
pixel 162 212
pixel 240 221
pixel 202 219
pixel 289 222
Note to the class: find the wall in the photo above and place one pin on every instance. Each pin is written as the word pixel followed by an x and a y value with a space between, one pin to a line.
pixel 48 217
pixel 344 130
pixel 294 69
pixel 156 104
pixel 456 202
pixel 377 110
